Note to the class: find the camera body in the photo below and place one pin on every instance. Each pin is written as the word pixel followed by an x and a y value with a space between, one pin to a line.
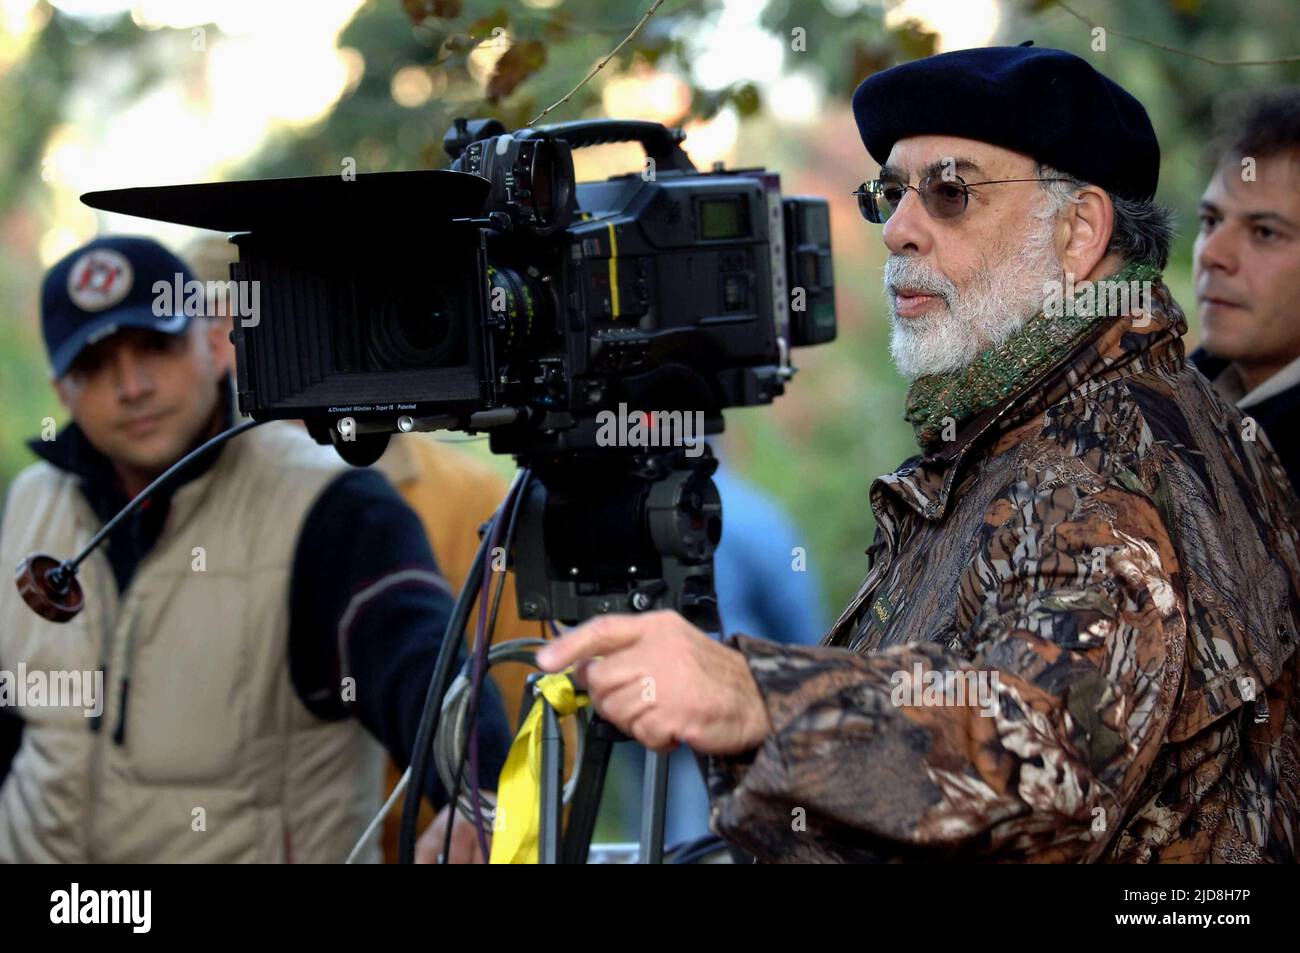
pixel 667 288
pixel 502 295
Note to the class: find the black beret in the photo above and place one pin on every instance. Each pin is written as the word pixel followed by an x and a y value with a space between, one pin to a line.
pixel 1048 104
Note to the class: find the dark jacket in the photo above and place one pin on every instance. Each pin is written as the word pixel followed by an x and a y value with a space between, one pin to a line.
pixel 1278 415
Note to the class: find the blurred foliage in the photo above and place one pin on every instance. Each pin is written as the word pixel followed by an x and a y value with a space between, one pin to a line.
pixel 844 48
pixel 34 93
pixel 548 52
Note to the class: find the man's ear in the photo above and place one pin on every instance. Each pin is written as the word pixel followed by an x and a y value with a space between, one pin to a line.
pixel 1091 221
pixel 64 390
pixel 223 352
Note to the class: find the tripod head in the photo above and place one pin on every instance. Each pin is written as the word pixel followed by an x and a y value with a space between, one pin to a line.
pixel 613 530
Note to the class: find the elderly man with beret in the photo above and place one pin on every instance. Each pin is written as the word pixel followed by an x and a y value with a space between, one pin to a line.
pixel 1077 637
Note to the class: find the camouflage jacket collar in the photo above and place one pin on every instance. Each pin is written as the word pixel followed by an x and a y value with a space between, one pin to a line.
pixel 1116 348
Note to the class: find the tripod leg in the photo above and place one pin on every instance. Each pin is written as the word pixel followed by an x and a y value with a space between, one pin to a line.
pixel 597 748
pixel 654 798
pixel 548 843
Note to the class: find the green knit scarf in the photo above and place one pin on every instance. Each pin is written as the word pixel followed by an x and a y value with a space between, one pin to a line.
pixel 998 372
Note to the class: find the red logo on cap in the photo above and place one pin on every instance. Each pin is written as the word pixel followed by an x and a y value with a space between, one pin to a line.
pixel 99 279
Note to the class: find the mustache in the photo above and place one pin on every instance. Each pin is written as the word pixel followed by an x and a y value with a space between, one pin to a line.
pixel 1206 288
pixel 902 271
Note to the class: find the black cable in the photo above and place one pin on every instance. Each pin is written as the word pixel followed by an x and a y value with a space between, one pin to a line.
pixel 464 753
pixel 471 668
pixel 72 564
pixel 439 682
pixel 479 665
pixel 511 529
pixel 489 631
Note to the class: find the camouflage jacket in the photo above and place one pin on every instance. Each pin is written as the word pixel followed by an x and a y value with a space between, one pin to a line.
pixel 1107 562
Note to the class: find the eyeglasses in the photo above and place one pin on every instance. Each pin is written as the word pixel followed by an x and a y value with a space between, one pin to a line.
pixel 944 198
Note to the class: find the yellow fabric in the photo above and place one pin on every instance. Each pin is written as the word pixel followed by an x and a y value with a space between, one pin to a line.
pixel 517 824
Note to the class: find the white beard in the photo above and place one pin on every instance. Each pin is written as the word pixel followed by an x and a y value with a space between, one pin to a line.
pixel 1002 295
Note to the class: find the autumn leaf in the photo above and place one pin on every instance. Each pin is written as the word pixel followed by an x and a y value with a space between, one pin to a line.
pixel 869 59
pixel 915 41
pixel 746 100
pixel 418 10
pixel 515 65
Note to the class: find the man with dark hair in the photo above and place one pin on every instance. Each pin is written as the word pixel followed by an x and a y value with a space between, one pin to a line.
pixel 1077 637
pixel 1247 268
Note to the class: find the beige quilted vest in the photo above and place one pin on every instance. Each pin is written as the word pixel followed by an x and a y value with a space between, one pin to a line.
pixel 220 760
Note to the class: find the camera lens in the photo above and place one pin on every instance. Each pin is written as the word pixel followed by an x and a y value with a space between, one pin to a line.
pixel 526 307
pixel 408 333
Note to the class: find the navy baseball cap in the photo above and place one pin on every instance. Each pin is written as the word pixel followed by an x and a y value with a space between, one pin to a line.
pixel 105 286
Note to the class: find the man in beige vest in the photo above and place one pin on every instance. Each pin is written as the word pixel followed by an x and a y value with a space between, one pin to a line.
pixel 257 629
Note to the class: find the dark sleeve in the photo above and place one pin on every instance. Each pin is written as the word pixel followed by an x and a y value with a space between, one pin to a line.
pixel 11 736
pixel 367 602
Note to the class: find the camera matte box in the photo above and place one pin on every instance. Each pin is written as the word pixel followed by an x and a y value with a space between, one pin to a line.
pixel 289 205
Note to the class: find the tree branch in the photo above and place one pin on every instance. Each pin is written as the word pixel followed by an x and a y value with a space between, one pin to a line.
pixel 601 65
pixel 1173 49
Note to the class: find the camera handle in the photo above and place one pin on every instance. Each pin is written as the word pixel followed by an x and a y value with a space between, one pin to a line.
pixel 661 144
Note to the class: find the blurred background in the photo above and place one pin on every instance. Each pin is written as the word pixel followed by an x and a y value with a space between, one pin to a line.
pixel 102 94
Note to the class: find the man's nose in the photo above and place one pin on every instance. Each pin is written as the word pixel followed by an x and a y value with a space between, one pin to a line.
pixel 908 229
pixel 132 374
pixel 1217 251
